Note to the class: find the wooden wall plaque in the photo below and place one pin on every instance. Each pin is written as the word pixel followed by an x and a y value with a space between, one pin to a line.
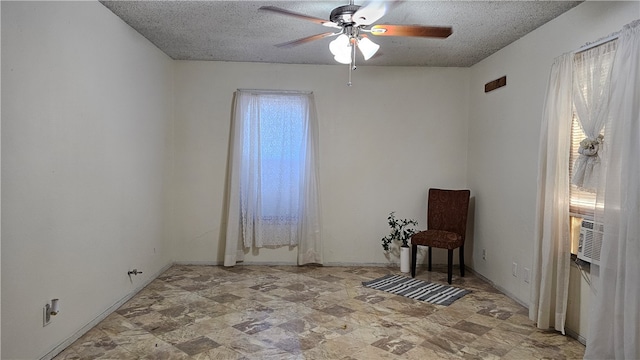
pixel 498 83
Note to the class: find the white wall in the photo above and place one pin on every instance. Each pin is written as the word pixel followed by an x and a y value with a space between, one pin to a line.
pixel 0 203
pixel 86 164
pixel 90 159
pixel 504 127
pixel 383 142
pixel 579 303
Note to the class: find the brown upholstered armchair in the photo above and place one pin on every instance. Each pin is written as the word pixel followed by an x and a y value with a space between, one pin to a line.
pixel 446 227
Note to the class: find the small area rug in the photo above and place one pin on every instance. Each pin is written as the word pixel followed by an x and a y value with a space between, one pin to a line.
pixel 417 289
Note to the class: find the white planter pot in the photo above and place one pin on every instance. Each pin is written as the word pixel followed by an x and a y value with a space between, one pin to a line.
pixel 405 259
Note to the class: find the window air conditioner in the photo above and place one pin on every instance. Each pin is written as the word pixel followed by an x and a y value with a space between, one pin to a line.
pixel 590 241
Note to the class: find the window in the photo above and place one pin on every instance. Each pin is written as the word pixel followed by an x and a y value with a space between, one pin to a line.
pixel 591 78
pixel 275 156
pixel 278 150
pixel 582 201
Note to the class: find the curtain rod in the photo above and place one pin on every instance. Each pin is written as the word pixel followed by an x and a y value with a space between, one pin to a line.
pixel 270 91
pixel 591 45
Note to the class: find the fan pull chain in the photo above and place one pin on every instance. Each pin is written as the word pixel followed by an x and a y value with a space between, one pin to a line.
pixel 352 66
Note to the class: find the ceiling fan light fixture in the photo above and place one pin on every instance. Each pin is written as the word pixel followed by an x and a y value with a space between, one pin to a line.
pixel 367 47
pixel 341 49
pixel 340 45
pixel 355 23
pixel 343 59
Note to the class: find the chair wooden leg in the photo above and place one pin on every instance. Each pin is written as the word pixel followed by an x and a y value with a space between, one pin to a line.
pixel 461 260
pixel 414 254
pixel 429 256
pixel 450 266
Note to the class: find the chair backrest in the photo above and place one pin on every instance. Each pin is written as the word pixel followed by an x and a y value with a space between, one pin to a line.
pixel 447 210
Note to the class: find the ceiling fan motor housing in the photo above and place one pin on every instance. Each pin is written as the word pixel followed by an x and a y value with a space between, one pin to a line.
pixel 343 15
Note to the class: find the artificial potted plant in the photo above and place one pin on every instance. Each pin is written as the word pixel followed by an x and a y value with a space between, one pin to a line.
pixel 401 230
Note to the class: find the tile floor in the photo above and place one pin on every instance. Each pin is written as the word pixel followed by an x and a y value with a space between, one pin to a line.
pixel 288 312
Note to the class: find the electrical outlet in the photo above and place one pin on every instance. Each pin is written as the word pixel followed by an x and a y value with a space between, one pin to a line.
pixel 484 254
pixel 527 275
pixel 514 269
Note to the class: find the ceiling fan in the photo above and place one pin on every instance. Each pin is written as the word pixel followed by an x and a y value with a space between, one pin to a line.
pixel 353 24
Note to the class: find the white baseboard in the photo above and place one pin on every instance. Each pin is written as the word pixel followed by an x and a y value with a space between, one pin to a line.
pixel 282 263
pixel 203 263
pixel 502 290
pixel 78 334
pixel 240 263
pixel 364 264
pixel 572 334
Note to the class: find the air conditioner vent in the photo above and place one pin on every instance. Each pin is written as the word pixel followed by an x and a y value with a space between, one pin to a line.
pixel 590 242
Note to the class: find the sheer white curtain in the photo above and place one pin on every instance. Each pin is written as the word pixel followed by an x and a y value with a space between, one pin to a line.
pixel 614 325
pixel 552 248
pixel 273 178
pixel 591 99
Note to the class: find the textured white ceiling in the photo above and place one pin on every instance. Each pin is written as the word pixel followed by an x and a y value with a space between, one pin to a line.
pixel 238 31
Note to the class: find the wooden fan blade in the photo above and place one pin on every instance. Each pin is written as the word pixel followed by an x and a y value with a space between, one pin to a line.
pixel 286 12
pixel 305 40
pixel 411 30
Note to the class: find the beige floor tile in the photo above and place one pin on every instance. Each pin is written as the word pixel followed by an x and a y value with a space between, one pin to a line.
pixel 310 312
